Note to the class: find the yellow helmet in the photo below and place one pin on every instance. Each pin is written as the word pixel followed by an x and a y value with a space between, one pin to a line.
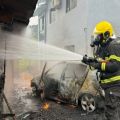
pixel 102 27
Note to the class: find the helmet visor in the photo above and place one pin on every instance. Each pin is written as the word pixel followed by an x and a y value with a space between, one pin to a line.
pixel 97 39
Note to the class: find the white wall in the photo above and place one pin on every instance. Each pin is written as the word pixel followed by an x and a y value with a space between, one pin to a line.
pixel 76 26
pixel 104 10
pixel 69 28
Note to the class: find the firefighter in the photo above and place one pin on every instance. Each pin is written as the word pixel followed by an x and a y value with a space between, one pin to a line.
pixel 107 62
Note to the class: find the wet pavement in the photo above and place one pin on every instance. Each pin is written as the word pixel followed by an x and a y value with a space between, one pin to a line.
pixel 25 102
pixel 29 107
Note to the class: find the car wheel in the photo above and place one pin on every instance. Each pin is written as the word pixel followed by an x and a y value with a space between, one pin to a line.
pixel 88 102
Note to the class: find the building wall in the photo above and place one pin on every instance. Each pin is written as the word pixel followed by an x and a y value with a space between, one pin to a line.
pixel 76 26
pixel 69 28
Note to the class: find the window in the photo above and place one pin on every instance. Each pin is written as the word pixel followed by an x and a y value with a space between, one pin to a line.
pixel 52 15
pixel 42 24
pixel 70 4
pixel 56 4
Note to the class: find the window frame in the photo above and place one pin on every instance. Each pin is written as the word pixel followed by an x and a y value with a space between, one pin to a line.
pixel 42 23
pixel 70 5
pixel 50 17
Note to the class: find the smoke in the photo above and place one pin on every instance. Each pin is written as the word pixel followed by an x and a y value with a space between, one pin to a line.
pixel 17 45
pixel 21 46
pixel 28 49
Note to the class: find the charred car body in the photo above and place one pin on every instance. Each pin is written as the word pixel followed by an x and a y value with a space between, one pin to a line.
pixel 70 83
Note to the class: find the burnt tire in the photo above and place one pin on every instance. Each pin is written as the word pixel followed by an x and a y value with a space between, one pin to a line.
pixel 88 102
pixel 35 90
pixel 38 93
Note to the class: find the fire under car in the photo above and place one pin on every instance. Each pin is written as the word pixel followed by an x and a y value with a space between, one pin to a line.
pixel 69 83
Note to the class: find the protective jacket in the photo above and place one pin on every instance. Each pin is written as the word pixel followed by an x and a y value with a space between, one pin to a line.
pixel 110 66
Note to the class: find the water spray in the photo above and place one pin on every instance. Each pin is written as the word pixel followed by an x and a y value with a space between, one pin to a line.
pixel 23 48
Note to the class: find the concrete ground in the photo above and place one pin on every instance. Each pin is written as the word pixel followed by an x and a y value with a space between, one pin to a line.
pixel 29 107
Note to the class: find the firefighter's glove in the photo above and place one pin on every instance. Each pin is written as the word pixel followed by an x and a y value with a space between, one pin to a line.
pixel 95 65
pixel 88 60
pixel 92 62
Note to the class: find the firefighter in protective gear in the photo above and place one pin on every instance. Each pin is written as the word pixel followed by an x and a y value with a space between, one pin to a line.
pixel 107 62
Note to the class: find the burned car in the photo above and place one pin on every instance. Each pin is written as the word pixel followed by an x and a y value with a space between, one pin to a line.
pixel 70 83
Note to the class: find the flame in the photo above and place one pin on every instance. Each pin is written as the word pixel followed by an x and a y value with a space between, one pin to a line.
pixel 46 106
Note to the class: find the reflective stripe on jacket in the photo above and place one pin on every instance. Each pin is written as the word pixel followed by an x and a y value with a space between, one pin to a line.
pixel 113 78
pixel 114 57
pixel 110 80
pixel 110 68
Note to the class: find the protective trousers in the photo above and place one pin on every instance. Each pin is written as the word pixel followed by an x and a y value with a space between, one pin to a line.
pixel 112 103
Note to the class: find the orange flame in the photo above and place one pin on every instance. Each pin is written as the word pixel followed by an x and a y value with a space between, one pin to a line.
pixel 46 106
